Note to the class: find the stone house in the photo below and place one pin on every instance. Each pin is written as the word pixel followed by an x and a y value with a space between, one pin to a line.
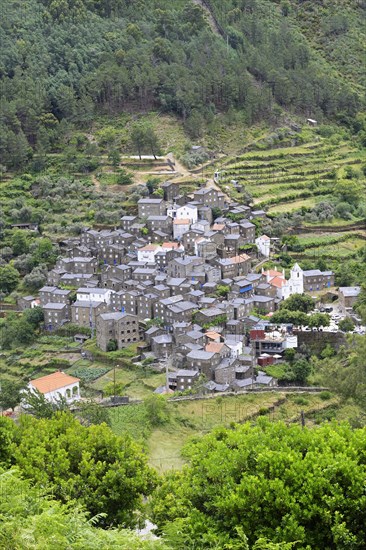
pixel 171 190
pixel 84 314
pixel 315 279
pixel 203 361
pixel 53 294
pixel 127 221
pixel 124 301
pixel 183 267
pixel 224 373
pixel 183 379
pixel 160 223
pixel 151 207
pixel 247 232
pixel 77 279
pixel 55 315
pixel 234 266
pixel 162 345
pixel 210 197
pixel 348 296
pixel 144 302
pixel 144 274
pixel 84 265
pixel 123 328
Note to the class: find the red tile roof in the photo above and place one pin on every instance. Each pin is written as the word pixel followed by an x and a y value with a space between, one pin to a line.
pixel 53 382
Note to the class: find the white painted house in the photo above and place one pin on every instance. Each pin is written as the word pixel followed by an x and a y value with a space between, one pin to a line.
pixel 264 245
pixel 94 295
pixel 236 347
pixel 180 227
pixel 56 385
pixel 185 212
pixel 147 253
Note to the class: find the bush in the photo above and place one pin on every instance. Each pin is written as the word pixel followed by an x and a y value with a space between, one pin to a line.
pixel 325 395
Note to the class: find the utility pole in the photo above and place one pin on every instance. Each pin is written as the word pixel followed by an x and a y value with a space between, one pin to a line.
pixel 114 383
pixel 166 374
pixel 253 361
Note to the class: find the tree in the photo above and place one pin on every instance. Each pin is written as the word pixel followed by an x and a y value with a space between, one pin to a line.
pixel 30 518
pixel 35 403
pixel 19 243
pixel 318 320
pixel 103 472
pixel 296 318
pixel 138 138
pixel 152 185
pixel 346 325
pixel 157 409
pixel 114 157
pixel 143 137
pixel 9 279
pixel 112 345
pixel 223 290
pixel 298 302
pixel 10 394
pixel 301 369
pixel 89 412
pixel 286 483
pixel 346 373
pixel 36 278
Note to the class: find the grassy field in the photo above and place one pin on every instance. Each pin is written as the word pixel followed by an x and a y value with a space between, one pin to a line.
pixel 186 419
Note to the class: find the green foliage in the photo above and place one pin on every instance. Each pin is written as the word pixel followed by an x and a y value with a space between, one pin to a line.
pixel 106 474
pixel 88 375
pixel 157 410
pixel 36 404
pixel 346 373
pixel 346 325
pixel 222 290
pixel 179 60
pixel 20 330
pixel 298 302
pixel 9 279
pixel 281 482
pixel 10 394
pixel 318 320
pixel 89 412
pixel 31 519
pixel 285 316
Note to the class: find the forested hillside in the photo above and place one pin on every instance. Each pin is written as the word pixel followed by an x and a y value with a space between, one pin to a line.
pixel 64 61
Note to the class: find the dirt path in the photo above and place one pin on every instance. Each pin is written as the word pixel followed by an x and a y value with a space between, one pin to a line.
pixel 96 182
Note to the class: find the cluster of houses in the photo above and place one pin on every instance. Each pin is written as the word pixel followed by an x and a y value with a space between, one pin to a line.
pixel 192 274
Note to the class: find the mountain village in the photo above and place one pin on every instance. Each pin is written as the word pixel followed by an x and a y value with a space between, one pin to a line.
pixel 188 288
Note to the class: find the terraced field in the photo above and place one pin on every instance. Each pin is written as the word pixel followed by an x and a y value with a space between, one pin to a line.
pixel 283 180
pixel 330 245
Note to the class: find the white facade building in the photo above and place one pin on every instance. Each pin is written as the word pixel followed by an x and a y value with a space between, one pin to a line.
pixel 57 385
pixel 185 212
pixel 147 253
pixel 295 284
pixel 94 295
pixel 264 245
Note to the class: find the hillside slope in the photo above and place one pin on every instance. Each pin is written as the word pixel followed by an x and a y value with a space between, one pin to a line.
pixel 61 63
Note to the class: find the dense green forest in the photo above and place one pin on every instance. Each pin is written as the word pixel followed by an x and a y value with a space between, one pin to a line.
pixel 64 61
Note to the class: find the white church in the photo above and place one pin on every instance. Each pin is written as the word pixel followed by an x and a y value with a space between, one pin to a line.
pixel 284 287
